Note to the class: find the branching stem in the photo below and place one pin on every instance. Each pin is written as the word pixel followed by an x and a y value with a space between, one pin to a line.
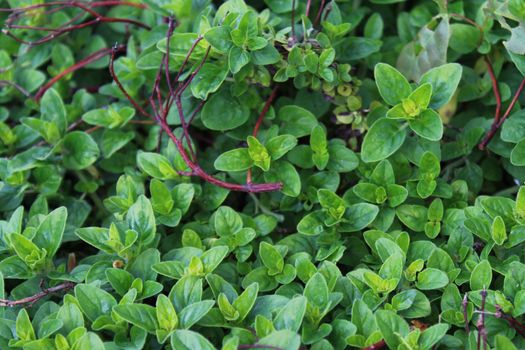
pixel 34 298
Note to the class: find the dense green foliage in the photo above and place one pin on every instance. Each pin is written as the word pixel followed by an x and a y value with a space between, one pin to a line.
pixel 270 174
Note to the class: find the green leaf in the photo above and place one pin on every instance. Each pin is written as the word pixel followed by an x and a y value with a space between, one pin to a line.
pixel 109 118
pixel 431 278
pixel 280 6
pixel 166 314
pixel 140 315
pixel 413 216
pixel 421 96
pixel 192 313
pixel 296 120
pixel 140 217
pixel 223 111
pixel 213 257
pixel 319 146
pixel 234 160
pixel 312 224
pixel 517 156
pixel 88 341
pixel 354 47
pixel 481 276
pixel 278 146
pixel 114 140
pixel 520 203
pixel 285 173
pixel 79 150
pixel 465 38
pixel 411 303
pixel 498 231
pixel 391 325
pixel 258 153
pixel 432 335
pixel 384 138
pixel 187 340
pixel 26 250
pixel 93 301
pixel 504 343
pixel 227 221
pixel 24 328
pixel 358 216
pixel 444 80
pixel 208 80
pixel 219 38
pixel 291 315
pixel 271 258
pixel 316 291
pixel 244 303
pixel 50 231
pixel 156 165
pixel 392 85
pixel 237 58
pixel 428 125
pixel 52 109
pixel 334 204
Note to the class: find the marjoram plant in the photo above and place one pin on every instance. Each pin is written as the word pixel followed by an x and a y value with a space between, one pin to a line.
pixel 262 174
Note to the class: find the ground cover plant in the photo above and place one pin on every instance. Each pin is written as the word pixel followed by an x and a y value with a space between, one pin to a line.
pixel 262 174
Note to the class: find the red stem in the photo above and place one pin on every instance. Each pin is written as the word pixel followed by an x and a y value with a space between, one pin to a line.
pixel 34 298
pixel 319 12
pixel 465 313
pixel 258 346
pixel 117 81
pixel 265 110
pixel 196 170
pixel 482 331
pixel 84 62
pixel 471 22
pixel 74 3
pixel 308 4
pixel 258 123
pixel 16 86
pixel 171 28
pixel 496 124
pixel 379 345
pixel 65 28
pixel 495 88
pixel 293 21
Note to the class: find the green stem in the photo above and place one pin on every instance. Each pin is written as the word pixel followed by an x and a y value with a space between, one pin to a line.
pixel 508 191
pixel 265 210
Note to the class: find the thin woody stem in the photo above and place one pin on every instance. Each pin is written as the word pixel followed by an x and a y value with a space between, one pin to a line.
pixel 258 346
pixel 258 123
pixel 471 22
pixel 16 86
pixel 181 87
pixel 178 102
pixel 379 345
pixel 293 21
pixel 497 124
pixel 171 28
pixel 465 313
pixel 319 12
pixel 121 87
pixel 495 88
pixel 196 170
pixel 513 322
pixel 84 62
pixel 16 13
pixel 34 298
pixel 482 331
pixel 74 3
pixel 308 5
